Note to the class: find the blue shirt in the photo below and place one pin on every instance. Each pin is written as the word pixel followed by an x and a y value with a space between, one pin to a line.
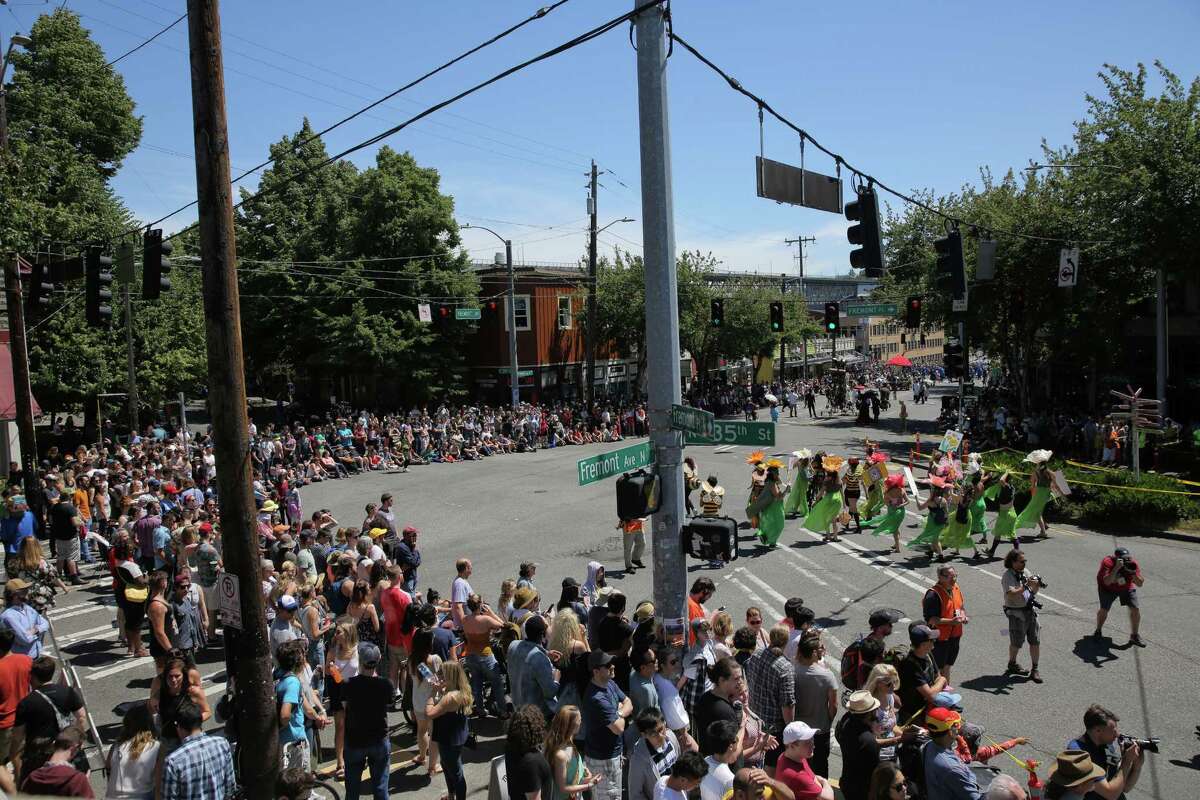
pixel 947 777
pixel 201 769
pixel 13 531
pixel 28 627
pixel 288 691
pixel 531 677
pixel 162 541
pixel 601 708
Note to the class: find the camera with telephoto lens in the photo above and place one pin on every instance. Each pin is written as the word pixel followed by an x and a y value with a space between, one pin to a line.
pixel 1148 744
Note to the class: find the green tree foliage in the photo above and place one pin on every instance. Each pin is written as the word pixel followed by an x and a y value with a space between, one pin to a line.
pixel 334 262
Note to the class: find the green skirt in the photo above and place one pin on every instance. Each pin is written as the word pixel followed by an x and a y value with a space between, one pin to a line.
pixel 929 534
pixel 992 492
pixel 888 522
pixel 1029 516
pixel 874 499
pixel 978 521
pixel 770 523
pixel 1006 525
pixel 824 513
pixel 957 534
pixel 797 499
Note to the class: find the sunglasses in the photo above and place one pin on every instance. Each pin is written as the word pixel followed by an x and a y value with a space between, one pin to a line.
pixel 755 622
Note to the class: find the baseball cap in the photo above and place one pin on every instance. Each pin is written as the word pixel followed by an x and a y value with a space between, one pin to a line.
pixel 918 634
pixel 1121 552
pixel 368 653
pixel 568 582
pixel 951 700
pixel 287 603
pixel 883 616
pixel 16 584
pixel 598 659
pixel 798 732
pixel 940 720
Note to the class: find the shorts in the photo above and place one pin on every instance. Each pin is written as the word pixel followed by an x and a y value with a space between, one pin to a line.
pixel 1128 598
pixel 397 654
pixel 68 549
pixel 5 744
pixel 1023 626
pixel 945 652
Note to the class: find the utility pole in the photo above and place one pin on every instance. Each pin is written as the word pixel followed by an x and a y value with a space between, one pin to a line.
pixel 962 374
pixel 512 325
pixel 247 650
pixel 125 275
pixel 662 317
pixel 20 367
pixel 800 241
pixel 1160 338
pixel 589 381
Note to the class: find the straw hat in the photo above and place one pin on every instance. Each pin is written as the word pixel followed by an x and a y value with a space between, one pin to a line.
pixel 861 702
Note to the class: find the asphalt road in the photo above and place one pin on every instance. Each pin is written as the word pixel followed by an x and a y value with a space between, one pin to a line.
pixel 507 509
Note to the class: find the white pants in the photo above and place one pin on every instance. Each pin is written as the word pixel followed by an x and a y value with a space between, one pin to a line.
pixel 635 546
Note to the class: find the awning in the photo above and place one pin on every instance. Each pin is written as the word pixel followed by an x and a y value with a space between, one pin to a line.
pixel 8 396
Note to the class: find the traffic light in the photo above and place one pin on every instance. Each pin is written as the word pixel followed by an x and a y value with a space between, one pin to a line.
pixel 638 494
pixel 717 314
pixel 492 306
pixel 444 312
pixel 98 282
pixel 865 211
pixel 777 317
pixel 711 538
pixel 833 319
pixel 952 359
pixel 912 313
pixel 950 275
pixel 155 265
pixel 40 288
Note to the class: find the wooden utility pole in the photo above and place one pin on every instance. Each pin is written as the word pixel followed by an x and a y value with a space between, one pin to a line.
pixel 589 371
pixel 247 649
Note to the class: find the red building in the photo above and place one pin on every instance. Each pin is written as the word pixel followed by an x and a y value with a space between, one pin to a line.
pixel 550 303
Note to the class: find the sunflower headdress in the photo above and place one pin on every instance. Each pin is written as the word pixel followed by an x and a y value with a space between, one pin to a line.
pixel 832 463
pixel 756 457
pixel 774 463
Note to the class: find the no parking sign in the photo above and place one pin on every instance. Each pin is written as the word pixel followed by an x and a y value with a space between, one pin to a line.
pixel 229 599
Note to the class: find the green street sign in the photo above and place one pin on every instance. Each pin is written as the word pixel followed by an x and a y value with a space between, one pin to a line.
pixel 754 434
pixel 521 373
pixel 606 465
pixel 467 313
pixel 692 420
pixel 872 310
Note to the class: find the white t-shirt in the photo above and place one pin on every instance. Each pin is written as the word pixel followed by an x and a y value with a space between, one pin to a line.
pixel 717 782
pixel 670 703
pixel 664 792
pixel 789 650
pixel 460 590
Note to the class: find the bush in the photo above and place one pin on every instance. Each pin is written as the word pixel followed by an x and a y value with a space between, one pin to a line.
pixel 1103 507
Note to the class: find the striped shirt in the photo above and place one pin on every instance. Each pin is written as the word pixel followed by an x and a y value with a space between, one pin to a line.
pixel 710 504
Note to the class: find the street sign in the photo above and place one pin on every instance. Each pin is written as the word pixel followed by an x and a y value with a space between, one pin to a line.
pixel 692 420
pixel 521 373
pixel 754 434
pixel 1068 267
pixel 423 312
pixel 872 310
pixel 606 465
pixel 229 600
pixel 467 313
pixel 959 304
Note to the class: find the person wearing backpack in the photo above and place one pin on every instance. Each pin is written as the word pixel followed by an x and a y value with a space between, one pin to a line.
pixel 46 710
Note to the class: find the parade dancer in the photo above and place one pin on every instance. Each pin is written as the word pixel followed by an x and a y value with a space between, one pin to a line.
pixel 712 497
pixel 957 533
pixel 852 490
pixel 770 518
pixel 895 498
pixel 936 520
pixel 1006 518
pixel 977 479
pixel 757 477
pixel 823 518
pixel 797 500
pixel 1040 484
pixel 874 478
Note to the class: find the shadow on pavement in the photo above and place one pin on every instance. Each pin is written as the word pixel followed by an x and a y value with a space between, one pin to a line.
pixel 992 684
pixel 1096 652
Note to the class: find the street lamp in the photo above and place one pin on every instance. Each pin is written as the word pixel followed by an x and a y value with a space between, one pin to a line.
pixel 512 312
pixel 16 41
pixel 589 344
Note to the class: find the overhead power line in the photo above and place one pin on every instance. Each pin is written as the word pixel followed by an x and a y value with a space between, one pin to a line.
pixel 805 136
pixel 181 18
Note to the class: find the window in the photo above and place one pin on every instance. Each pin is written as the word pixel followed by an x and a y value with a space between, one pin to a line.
pixel 521 312
pixel 565 322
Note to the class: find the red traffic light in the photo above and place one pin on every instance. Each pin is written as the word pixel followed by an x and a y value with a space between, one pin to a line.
pixel 444 311
pixel 492 306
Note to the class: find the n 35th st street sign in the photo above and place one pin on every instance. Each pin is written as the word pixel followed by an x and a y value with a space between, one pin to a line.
pixel 754 434
pixel 606 465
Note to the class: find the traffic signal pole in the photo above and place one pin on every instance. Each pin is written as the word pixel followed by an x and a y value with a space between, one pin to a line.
pixel 131 365
pixel 962 373
pixel 662 318
pixel 23 394
pixel 247 649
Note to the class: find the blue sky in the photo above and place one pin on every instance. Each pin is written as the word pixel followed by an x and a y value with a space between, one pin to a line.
pixel 921 94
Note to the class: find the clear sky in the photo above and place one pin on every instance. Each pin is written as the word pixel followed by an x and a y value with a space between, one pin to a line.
pixel 921 94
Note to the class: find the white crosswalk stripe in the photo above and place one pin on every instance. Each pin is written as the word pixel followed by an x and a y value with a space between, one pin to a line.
pixel 124 665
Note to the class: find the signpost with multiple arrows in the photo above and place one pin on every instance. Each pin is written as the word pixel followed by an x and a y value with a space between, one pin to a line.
pixel 1141 412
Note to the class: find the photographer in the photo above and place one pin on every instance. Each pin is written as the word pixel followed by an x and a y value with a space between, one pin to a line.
pixel 1120 757
pixel 1118 579
pixel 1020 606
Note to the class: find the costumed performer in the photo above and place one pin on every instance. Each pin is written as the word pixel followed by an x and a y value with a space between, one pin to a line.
pixel 977 479
pixel 1040 483
pixel 936 520
pixel 823 518
pixel 758 476
pixel 712 497
pixel 874 477
pixel 797 500
pixel 852 490
pixel 957 533
pixel 895 498
pixel 691 482
pixel 770 519
pixel 1006 518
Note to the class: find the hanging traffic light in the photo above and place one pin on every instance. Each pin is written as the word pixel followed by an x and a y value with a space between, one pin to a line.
pixel 40 288
pixel 776 317
pixel 717 313
pixel 155 265
pixel 492 306
pixel 833 319
pixel 98 282
pixel 952 359
pixel 912 313
pixel 950 275
pixel 865 211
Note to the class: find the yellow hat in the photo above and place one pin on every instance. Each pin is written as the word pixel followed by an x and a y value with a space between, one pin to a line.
pixel 375 533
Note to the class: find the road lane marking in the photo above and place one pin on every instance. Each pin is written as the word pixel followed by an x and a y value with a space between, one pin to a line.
pixel 840 546
pixel 803 571
pixel 125 664
pixel 79 636
pixel 768 589
pixel 1041 595
pixel 73 611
